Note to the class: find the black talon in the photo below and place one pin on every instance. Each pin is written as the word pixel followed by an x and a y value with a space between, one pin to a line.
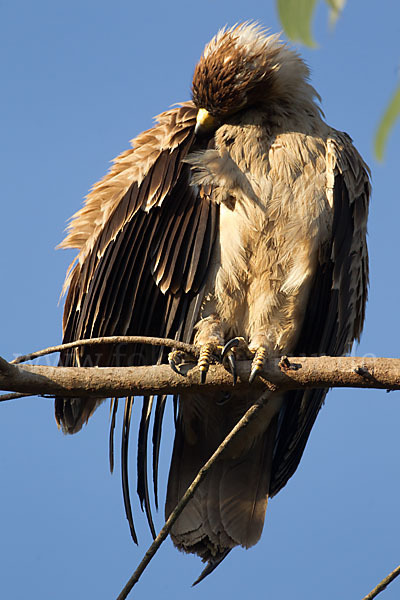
pixel 203 376
pixel 232 366
pixel 254 373
pixel 228 354
pixel 175 361
pixel 173 366
pixel 233 343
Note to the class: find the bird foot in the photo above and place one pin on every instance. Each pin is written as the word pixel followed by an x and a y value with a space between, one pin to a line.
pixel 234 349
pixel 259 360
pixel 235 346
pixel 238 346
pixel 179 361
pixel 208 352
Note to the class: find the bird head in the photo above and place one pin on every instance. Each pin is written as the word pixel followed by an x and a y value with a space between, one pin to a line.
pixel 242 67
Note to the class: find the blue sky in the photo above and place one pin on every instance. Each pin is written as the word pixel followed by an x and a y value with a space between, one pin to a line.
pixel 79 80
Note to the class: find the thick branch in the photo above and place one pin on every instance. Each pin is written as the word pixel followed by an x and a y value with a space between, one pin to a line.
pixel 293 373
pixel 13 396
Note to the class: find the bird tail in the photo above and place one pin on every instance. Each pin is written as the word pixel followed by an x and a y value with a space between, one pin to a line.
pixel 228 508
pixel 72 413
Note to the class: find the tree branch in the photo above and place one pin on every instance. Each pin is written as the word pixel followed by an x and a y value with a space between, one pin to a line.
pixel 13 396
pixel 383 584
pixel 286 374
pixel 115 339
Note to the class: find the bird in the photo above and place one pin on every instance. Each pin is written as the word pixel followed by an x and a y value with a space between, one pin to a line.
pixel 237 223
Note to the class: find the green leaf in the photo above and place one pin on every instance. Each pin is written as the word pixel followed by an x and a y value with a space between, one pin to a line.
pixel 336 8
pixel 387 122
pixel 295 16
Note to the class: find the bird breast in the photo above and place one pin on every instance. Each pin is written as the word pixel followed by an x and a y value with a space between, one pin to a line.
pixel 274 217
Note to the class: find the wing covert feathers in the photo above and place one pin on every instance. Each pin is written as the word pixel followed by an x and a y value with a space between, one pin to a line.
pixel 139 178
pixel 145 240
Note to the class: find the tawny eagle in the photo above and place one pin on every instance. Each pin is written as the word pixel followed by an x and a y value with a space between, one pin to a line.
pixel 241 213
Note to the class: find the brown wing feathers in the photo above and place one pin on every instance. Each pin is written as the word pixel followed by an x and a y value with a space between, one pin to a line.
pixel 141 275
pixel 334 316
pixel 115 273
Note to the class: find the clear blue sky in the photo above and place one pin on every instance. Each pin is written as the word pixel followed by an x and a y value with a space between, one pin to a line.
pixel 79 80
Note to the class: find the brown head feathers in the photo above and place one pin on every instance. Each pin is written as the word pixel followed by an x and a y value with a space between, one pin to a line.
pixel 243 66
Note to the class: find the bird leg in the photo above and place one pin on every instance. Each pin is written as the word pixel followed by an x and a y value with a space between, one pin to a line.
pixel 210 339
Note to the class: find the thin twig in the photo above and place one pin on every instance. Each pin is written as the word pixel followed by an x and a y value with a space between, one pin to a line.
pixel 116 339
pixel 244 421
pixel 383 584
pixel 13 396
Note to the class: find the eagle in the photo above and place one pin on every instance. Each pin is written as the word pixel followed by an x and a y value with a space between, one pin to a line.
pixel 236 223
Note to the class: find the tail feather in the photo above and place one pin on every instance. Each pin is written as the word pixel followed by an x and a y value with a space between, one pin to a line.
pixel 212 564
pixel 72 413
pixel 228 508
pixel 244 489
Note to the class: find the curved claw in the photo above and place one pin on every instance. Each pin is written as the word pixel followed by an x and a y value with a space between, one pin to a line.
pixel 254 373
pixel 172 364
pixel 232 366
pixel 233 343
pixel 203 375
pixel 173 357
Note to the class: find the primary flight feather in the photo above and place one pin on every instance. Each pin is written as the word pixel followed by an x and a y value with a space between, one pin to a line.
pixel 240 215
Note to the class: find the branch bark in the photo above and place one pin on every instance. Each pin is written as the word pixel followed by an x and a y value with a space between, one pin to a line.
pixel 114 339
pixel 383 584
pixel 293 373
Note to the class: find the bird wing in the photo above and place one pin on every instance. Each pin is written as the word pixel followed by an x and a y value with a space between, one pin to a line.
pixel 145 238
pixel 336 304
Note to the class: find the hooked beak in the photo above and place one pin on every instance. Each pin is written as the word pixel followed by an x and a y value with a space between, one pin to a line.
pixel 205 123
